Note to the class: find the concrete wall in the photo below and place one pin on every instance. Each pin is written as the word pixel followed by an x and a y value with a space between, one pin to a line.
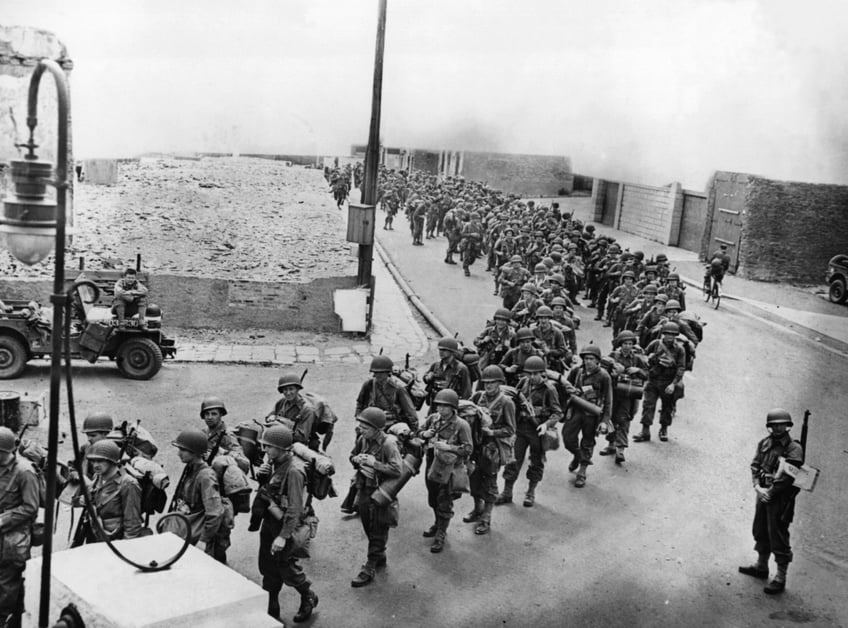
pixel 790 229
pixel 651 212
pixel 525 175
pixel 205 302
pixel 20 50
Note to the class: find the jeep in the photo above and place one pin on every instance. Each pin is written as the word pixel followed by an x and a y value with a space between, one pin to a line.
pixel 837 277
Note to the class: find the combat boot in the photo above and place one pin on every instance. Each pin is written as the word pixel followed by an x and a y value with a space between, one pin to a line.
pixel 609 450
pixel 663 433
pixel 580 480
pixel 438 542
pixel 506 495
pixel 778 583
pixel 643 436
pixel 273 604
pixel 484 524
pixel 619 455
pixel 365 576
pixel 575 462
pixel 530 495
pixel 474 515
pixel 308 602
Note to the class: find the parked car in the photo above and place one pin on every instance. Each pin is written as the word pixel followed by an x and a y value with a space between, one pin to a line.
pixel 837 278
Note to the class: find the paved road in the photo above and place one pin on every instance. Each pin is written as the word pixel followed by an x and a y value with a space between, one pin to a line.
pixel 658 541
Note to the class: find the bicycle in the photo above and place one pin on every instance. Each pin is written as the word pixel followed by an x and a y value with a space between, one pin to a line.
pixel 712 288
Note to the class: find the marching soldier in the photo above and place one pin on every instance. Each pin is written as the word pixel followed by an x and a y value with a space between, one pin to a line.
pixel 448 372
pixel 496 448
pixel 449 445
pixel 515 358
pixel 388 394
pixel 590 383
pixel 627 363
pixel 284 492
pixel 543 398
pixel 295 412
pixel 221 440
pixel 18 508
pixel 116 496
pixel 376 458
pixel 493 343
pixel 776 494
pixel 511 278
pixel 198 496
pixel 667 363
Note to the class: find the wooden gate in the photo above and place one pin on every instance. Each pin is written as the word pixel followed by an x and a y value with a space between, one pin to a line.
pixel 726 227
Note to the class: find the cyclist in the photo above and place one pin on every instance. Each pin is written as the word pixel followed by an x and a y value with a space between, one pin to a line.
pixel 719 264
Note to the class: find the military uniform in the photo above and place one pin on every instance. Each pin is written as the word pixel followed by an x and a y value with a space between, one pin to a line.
pixel 299 416
pixel 494 451
pixel 595 387
pixel 471 241
pixel 546 408
pixel 199 497
pixel 391 398
pixel 666 366
pixel 624 408
pixel 511 279
pixel 451 374
pixel 376 520
pixel 514 360
pixel 285 489
pixel 226 443
pixel 19 498
pixel 493 345
pixel 117 501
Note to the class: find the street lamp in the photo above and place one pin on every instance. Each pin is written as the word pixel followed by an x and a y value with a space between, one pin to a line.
pixel 30 224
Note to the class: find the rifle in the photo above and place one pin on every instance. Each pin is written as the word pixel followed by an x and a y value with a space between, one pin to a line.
pixel 804 436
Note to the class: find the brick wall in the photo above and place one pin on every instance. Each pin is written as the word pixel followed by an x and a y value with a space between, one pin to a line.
pixel 790 230
pixel 526 175
pixel 203 302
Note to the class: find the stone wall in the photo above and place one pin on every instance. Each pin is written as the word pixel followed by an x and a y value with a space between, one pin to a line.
pixel 525 175
pixel 188 301
pixel 790 230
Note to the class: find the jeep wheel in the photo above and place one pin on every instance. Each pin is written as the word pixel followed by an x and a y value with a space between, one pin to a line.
pixel 139 358
pixel 13 357
pixel 837 292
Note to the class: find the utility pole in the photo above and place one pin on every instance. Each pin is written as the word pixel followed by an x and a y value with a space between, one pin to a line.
pixel 372 153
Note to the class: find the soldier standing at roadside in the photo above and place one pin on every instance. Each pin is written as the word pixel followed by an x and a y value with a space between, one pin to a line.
pixel 376 458
pixel 18 508
pixel 776 494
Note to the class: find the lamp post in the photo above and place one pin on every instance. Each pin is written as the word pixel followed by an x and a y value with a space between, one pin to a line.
pixel 30 224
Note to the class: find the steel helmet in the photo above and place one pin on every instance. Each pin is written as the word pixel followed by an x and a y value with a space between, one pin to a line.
pixel 544 311
pixel 8 440
pixel 534 364
pixel 594 350
pixel 503 314
pixel 651 268
pixel 639 255
pixel 449 344
pixel 192 440
pixel 446 397
pixel 625 336
pixel 548 262
pixel 524 334
pixel 558 301
pixel 662 257
pixel 778 416
pixel 674 276
pixel 373 416
pixel 673 304
pixel 540 268
pixel 381 364
pixel 662 298
pixel 628 273
pixel 210 403
pixel 289 378
pixel 556 256
pixel 278 436
pixel 97 422
pixel 493 373
pixel 531 288
pixel 558 278
pixel 104 450
pixel 671 328
pixel 651 288
pixel 516 258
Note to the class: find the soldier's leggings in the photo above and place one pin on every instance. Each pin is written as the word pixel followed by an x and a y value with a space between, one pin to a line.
pixel 484 485
pixel 440 500
pixel 653 391
pixel 623 411
pixel 771 529
pixel 582 426
pixel 374 524
pixel 280 568
pixel 526 438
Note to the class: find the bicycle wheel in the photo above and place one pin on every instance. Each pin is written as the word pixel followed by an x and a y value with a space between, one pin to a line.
pixel 716 294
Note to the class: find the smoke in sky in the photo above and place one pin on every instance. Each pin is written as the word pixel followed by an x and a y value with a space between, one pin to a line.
pixel 654 91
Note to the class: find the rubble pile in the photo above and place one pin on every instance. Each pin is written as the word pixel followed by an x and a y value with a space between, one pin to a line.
pixel 229 218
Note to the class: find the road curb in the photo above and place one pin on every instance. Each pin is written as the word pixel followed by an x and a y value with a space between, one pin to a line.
pixel 428 315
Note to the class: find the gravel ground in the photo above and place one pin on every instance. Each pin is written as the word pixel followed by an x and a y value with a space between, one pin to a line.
pixel 230 218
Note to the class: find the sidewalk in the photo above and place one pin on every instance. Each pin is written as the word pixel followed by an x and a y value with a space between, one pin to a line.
pixel 804 311
pixel 395 331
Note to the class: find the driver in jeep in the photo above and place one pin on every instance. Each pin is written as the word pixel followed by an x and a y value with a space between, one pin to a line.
pixel 130 298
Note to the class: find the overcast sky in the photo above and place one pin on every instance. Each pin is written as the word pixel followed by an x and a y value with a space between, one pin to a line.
pixel 649 91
